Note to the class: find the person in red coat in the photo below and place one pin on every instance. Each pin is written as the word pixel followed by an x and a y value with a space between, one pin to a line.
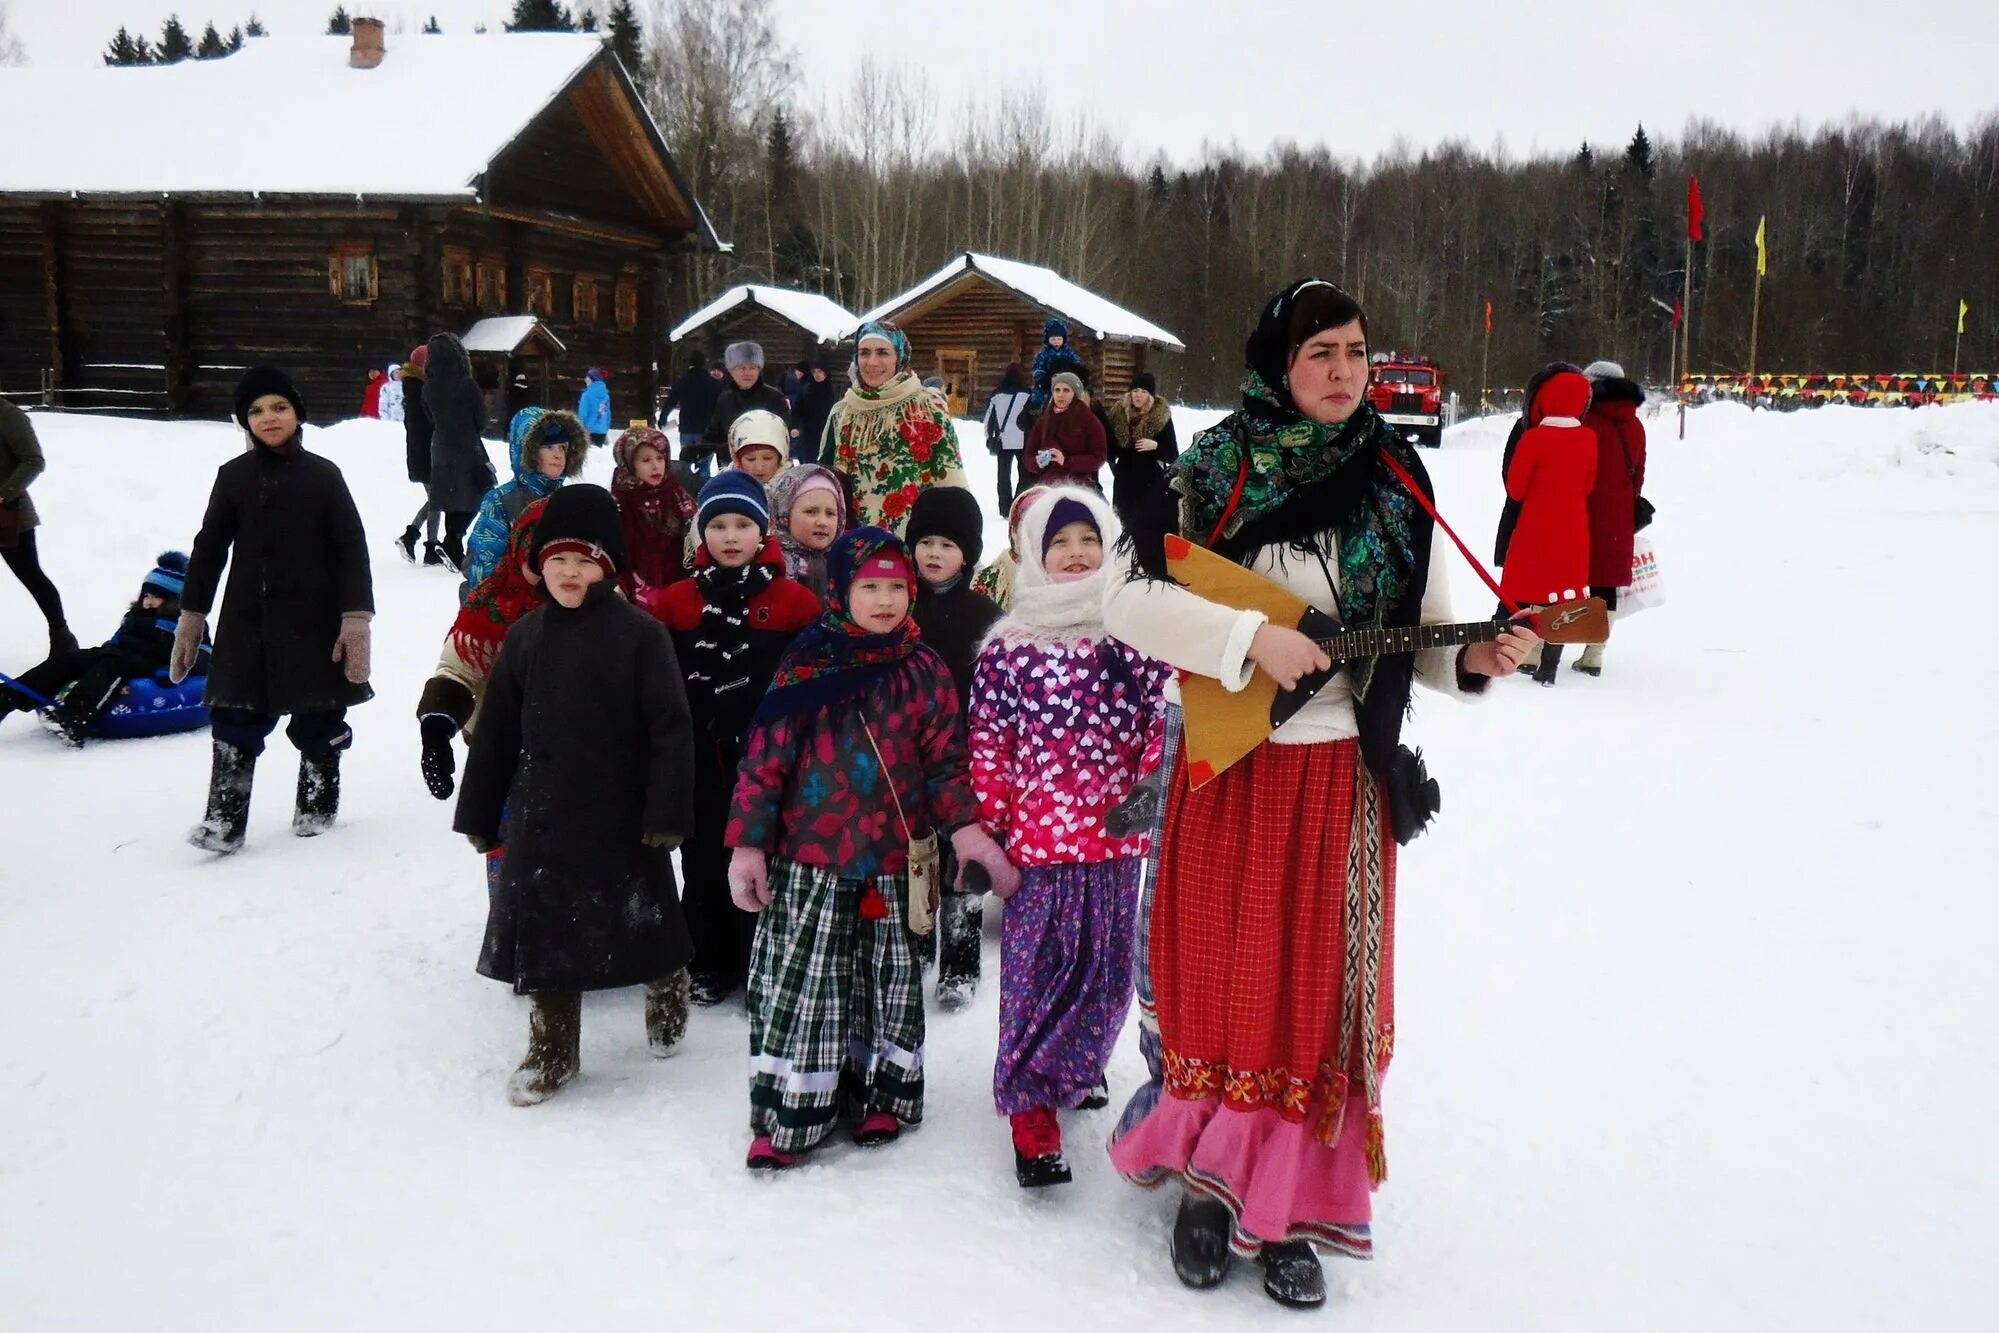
pixel 1620 480
pixel 371 397
pixel 1067 443
pixel 1551 474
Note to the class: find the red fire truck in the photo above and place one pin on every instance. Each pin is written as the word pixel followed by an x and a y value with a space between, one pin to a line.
pixel 1408 391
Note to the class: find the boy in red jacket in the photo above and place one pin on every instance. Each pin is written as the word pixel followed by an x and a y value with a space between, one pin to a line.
pixel 731 621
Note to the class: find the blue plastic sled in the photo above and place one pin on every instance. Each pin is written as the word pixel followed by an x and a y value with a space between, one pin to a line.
pixel 150 706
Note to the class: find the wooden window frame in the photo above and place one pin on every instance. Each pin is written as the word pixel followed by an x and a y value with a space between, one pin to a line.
pixel 968 385
pixel 337 261
pixel 626 299
pixel 541 293
pixel 457 285
pixel 584 309
pixel 491 293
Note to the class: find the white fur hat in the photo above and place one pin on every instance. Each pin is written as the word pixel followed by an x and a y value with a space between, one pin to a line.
pixel 1604 370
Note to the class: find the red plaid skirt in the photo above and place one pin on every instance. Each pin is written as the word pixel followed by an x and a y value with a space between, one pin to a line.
pixel 1249 930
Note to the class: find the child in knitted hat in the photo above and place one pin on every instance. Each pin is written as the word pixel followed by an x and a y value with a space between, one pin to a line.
pixel 854 752
pixel 586 684
pixel 83 683
pixel 730 622
pixel 1064 721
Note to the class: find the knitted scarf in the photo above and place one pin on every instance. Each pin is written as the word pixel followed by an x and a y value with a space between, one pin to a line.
pixel 717 660
pixel 834 662
pixel 500 599
pixel 1040 609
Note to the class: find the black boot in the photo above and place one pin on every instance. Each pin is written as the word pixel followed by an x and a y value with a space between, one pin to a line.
pixel 959 929
pixel 666 1013
pixel 407 542
pixel 1097 1098
pixel 1292 1275
pixel 229 778
pixel 1201 1240
pixel 555 1033
pixel 318 794
pixel 432 554
pixel 708 991
pixel 1551 659
pixel 453 549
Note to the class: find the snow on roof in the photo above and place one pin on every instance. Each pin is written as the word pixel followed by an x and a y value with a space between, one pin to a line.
pixel 825 320
pixel 504 333
pixel 285 115
pixel 1045 288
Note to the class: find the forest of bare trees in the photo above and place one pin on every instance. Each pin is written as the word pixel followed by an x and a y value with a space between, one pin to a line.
pixel 1876 231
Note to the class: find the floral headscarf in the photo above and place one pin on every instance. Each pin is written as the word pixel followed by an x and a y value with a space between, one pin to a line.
pixel 834 661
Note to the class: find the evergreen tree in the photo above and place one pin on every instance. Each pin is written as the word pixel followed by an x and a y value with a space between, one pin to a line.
pixel 211 43
pixel 1585 159
pixel 175 44
pixel 253 28
pixel 1638 156
pixel 143 53
pixel 430 28
pixel 541 16
pixel 587 21
pixel 340 25
pixel 235 40
pixel 123 50
pixel 627 38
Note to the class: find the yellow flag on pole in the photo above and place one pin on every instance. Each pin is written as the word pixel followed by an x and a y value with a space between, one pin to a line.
pixel 1762 256
pixel 1963 309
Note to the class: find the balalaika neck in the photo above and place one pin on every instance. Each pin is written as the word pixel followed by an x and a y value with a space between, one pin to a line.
pixel 1408 639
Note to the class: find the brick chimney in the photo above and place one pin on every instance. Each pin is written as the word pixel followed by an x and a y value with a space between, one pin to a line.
pixel 368 50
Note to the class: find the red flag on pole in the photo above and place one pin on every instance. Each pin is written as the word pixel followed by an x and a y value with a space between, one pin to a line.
pixel 1488 317
pixel 1676 312
pixel 1696 213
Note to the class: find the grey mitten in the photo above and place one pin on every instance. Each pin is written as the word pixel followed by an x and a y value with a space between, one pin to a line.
pixel 351 649
pixel 187 645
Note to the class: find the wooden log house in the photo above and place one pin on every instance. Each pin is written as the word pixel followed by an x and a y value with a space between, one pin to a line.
pixel 971 317
pixel 790 326
pixel 325 204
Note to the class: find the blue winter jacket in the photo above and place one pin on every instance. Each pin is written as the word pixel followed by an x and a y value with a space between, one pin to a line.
pixel 532 427
pixel 594 407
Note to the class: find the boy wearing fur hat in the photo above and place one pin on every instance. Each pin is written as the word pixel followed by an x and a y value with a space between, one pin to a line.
pixel 945 536
pixel 744 392
pixel 584 743
pixel 94 677
pixel 731 622
pixel 293 634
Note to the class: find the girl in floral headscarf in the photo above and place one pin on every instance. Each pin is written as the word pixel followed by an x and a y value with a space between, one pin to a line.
pixel 655 511
pixel 887 433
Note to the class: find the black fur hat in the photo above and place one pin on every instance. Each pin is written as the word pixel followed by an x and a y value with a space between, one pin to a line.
pixel 261 381
pixel 951 512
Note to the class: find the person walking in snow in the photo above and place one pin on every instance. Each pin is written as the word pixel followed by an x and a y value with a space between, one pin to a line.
pixel 21 461
pixel 1617 498
pixel 1549 475
pixel 460 472
pixel 391 401
pixel 1142 442
pixel 731 623
pixel 855 752
pixel 416 448
pixel 371 397
pixel 745 392
pixel 94 677
pixel 693 396
pixel 1271 935
pixel 293 633
pixel 546 449
pixel 887 434
pixel 583 765
pixel 1064 722
pixel 593 408
pixel 1067 444
pixel 1006 438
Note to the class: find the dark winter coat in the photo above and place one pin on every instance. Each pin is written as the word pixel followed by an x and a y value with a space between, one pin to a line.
pixel 584 740
pixel 1079 434
pixel 956 623
pixel 144 643
pixel 460 471
pixel 732 403
pixel 284 522
pixel 809 420
pixel 416 424
pixel 1134 474
pixel 694 393
pixel 21 462
pixel 1620 479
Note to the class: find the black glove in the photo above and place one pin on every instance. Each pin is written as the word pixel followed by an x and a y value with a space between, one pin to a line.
pixel 438 761
pixel 1135 813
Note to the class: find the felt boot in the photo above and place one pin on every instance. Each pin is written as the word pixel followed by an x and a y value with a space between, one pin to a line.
pixel 1201 1240
pixel 318 802
pixel 1292 1274
pixel 959 929
pixel 1591 662
pixel 555 1031
pixel 231 771
pixel 666 1013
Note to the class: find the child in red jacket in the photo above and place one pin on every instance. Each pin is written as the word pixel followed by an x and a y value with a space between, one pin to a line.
pixel 731 622
pixel 1553 469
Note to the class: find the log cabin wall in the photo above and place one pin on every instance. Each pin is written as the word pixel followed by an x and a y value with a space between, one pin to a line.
pixel 785 344
pixel 25 297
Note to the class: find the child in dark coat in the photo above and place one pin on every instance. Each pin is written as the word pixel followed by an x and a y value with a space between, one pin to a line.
pixel 94 677
pixel 946 536
pixel 584 742
pixel 731 622
pixel 293 634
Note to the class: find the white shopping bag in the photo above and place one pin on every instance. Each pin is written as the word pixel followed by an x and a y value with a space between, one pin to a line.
pixel 1647 589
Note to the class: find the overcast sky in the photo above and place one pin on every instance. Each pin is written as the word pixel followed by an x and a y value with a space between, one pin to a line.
pixel 1171 74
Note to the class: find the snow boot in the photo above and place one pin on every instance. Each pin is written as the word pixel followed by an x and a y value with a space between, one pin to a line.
pixel 318 803
pixel 1591 662
pixel 1037 1149
pixel 555 1031
pixel 231 771
pixel 1531 663
pixel 1292 1274
pixel 707 991
pixel 963 921
pixel 1201 1234
pixel 1550 663
pixel 764 1157
pixel 407 542
pixel 432 554
pixel 877 1128
pixel 666 1013
pixel 1097 1098
pixel 71 724
pixel 453 549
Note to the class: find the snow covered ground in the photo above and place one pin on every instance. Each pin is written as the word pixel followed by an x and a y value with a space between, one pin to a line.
pixel 1695 994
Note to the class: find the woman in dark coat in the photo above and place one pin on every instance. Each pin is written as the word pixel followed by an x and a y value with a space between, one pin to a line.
pixel 585 745
pixel 808 420
pixel 1142 442
pixel 1620 480
pixel 416 447
pixel 293 635
pixel 460 471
